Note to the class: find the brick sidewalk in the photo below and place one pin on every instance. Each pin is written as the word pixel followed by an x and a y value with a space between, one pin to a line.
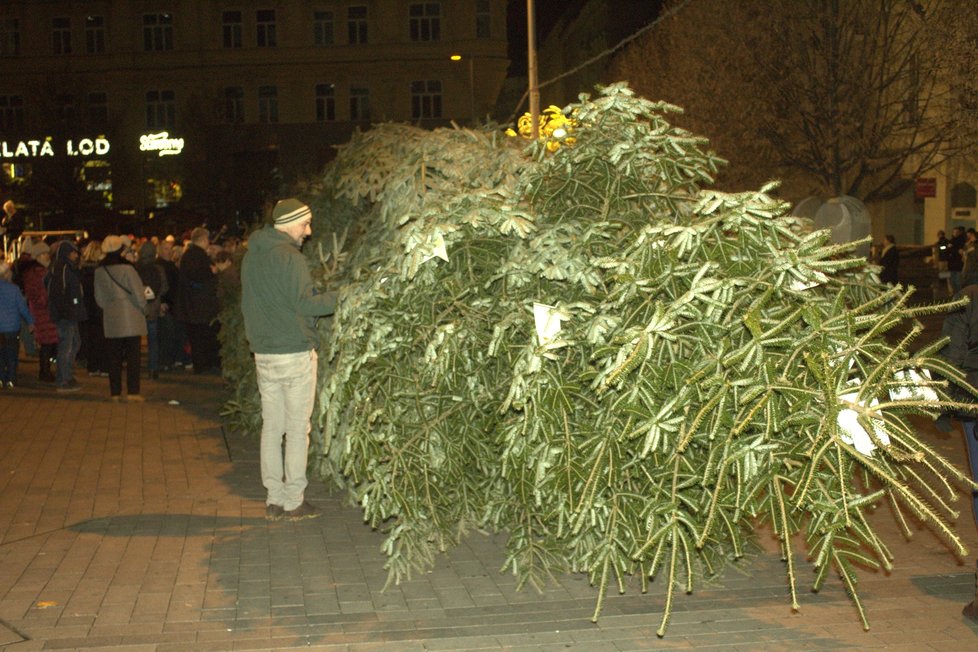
pixel 140 527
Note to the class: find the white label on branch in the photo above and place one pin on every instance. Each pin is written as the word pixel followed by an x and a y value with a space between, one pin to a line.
pixel 799 286
pixel 436 249
pixel 814 278
pixel 547 319
pixel 852 431
pixel 915 387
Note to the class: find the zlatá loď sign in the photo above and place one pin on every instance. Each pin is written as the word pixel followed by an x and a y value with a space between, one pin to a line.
pixel 41 148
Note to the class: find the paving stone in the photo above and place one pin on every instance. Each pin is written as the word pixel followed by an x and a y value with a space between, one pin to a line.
pixel 136 524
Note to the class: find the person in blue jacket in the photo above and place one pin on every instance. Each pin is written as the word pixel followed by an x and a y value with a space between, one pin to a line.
pixel 13 309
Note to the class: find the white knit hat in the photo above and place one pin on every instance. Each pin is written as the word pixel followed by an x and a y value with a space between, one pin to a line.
pixel 111 244
pixel 35 248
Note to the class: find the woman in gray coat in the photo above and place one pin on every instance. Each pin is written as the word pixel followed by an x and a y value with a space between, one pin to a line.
pixel 119 292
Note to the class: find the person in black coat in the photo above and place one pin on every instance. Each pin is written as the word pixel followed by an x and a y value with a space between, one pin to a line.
pixel 154 278
pixel 170 346
pixel 11 224
pixel 94 350
pixel 197 305
pixel 961 329
pixel 66 304
pixel 955 261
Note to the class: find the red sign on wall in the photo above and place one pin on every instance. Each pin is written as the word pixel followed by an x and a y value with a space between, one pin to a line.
pixel 925 187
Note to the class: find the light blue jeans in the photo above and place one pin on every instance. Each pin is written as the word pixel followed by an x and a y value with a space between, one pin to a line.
pixel 69 342
pixel 287 384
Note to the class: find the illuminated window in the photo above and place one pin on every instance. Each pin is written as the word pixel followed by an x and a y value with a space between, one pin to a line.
pixel 61 35
pixel 483 20
pixel 425 99
pixel 325 103
pixel 11 171
pixel 356 25
pixel 11 112
pixel 160 109
pixel 94 34
pixel 164 191
pixel 425 21
pixel 265 21
pixel 231 28
pixel 97 177
pixel 157 32
pixel 267 104
pixel 234 104
pixel 359 103
pixel 98 109
pixel 9 37
pixel 322 26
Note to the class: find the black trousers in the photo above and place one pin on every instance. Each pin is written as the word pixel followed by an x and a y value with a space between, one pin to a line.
pixel 123 349
pixel 204 348
pixel 46 353
pixel 93 347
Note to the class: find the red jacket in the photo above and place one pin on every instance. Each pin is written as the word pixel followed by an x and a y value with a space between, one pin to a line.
pixel 32 276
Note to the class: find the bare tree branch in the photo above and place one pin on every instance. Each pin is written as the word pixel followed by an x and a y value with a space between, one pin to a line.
pixel 834 96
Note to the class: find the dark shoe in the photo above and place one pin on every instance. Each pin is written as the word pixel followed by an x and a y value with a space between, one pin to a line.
pixel 47 377
pixel 302 512
pixel 274 513
pixel 71 386
pixel 154 375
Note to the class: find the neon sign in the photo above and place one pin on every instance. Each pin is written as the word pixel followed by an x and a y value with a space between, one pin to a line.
pixel 41 148
pixel 160 143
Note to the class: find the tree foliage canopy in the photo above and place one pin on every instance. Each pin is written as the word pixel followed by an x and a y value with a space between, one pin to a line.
pixel 622 369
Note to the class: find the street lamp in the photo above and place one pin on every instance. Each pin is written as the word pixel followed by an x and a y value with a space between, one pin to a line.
pixel 471 60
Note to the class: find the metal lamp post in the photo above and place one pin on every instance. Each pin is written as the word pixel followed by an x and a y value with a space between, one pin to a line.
pixel 531 65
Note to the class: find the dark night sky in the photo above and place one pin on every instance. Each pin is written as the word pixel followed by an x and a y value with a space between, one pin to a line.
pixel 547 14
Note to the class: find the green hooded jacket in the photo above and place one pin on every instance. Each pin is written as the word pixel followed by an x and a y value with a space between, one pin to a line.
pixel 278 299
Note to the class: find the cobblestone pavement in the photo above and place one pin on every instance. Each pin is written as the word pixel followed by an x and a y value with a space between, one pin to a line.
pixel 140 526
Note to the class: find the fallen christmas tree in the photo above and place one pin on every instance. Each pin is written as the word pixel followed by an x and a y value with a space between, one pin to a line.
pixel 578 344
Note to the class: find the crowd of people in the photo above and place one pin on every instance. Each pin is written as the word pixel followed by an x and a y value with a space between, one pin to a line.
pixel 957 257
pixel 97 301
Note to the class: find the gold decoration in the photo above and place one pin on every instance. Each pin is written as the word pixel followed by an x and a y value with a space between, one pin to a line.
pixel 555 128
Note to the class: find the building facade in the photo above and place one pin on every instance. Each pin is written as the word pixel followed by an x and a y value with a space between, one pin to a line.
pixel 213 105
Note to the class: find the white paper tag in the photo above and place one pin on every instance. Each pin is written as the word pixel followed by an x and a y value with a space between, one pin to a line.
pixel 852 431
pixel 817 278
pixel 436 249
pixel 547 319
pixel 912 389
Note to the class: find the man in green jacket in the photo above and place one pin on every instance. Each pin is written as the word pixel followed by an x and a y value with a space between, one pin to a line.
pixel 280 307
